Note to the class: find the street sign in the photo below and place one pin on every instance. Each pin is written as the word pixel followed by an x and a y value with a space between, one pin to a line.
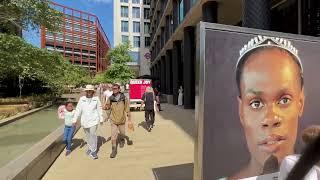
pixel 147 55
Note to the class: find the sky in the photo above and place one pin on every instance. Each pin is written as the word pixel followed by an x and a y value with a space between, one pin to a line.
pixel 103 9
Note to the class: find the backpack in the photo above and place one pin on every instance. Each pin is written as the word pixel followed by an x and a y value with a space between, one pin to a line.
pixel 60 112
pixel 113 99
pixel 145 96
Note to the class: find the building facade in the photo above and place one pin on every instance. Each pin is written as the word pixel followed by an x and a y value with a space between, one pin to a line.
pixel 132 23
pixel 81 39
pixel 173 33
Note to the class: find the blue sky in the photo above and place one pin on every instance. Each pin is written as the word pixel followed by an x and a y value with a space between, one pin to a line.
pixel 103 9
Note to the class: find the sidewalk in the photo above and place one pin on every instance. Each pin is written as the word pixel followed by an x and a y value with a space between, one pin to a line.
pixel 165 153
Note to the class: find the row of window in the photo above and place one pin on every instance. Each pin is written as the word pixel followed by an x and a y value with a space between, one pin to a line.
pixel 135 27
pixel 92 53
pixel 136 41
pixel 135 12
pixel 145 2
pixel 60 36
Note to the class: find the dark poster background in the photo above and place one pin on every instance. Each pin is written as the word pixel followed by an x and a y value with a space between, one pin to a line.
pixel 224 146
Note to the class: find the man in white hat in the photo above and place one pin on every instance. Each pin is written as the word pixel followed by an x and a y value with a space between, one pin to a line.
pixel 90 110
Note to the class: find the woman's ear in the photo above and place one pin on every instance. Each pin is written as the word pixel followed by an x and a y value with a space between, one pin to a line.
pixel 301 102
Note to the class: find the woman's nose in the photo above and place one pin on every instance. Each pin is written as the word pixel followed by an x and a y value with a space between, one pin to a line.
pixel 272 119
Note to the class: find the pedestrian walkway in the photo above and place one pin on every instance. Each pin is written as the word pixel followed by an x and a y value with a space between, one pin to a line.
pixel 165 153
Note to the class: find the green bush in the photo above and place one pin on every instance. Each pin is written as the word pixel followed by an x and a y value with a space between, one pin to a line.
pixel 40 67
pixel 8 101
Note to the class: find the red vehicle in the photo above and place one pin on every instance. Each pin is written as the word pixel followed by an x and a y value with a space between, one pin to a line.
pixel 137 88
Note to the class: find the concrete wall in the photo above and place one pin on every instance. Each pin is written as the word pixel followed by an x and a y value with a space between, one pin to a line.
pixel 34 163
pixel 144 62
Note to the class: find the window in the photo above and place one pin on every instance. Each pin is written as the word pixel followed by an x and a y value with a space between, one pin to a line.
pixel 136 41
pixel 136 27
pixel 136 12
pixel 135 56
pixel 136 1
pixel 124 1
pixel 146 27
pixel 125 38
pixel 181 15
pixel 124 11
pixel 146 2
pixel 124 26
pixel 146 13
pixel 147 41
pixel 193 2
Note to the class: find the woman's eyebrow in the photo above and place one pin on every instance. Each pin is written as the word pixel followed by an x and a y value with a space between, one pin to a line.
pixel 254 91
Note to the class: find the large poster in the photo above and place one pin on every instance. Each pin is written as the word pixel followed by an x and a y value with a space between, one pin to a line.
pixel 256 92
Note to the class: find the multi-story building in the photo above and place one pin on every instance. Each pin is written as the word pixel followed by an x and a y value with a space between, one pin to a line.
pixel 81 39
pixel 174 31
pixel 131 23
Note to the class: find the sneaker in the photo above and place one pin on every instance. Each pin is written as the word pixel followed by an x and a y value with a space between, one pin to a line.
pixel 94 155
pixel 121 143
pixel 88 152
pixel 68 152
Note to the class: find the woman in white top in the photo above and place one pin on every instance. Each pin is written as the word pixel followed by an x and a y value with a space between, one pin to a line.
pixel 180 97
pixel 66 113
pixel 89 110
pixel 106 94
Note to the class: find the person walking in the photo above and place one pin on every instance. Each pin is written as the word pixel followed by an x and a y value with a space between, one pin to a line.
pixel 106 94
pixel 118 103
pixel 149 100
pixel 66 112
pixel 89 108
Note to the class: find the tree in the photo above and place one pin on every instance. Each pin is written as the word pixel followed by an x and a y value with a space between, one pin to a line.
pixel 37 68
pixel 29 13
pixel 119 71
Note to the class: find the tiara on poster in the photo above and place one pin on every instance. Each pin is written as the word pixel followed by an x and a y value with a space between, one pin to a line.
pixel 265 41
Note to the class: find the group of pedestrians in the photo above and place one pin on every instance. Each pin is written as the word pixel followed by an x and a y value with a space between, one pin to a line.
pixel 92 112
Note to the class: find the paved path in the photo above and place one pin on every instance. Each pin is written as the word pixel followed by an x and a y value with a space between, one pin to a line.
pixel 165 153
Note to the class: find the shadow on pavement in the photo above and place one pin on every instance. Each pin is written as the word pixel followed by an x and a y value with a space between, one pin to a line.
pixel 143 124
pixel 76 143
pixel 177 172
pixel 81 143
pixel 184 118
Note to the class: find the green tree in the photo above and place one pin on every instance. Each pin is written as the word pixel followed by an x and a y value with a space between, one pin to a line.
pixel 29 13
pixel 37 67
pixel 119 71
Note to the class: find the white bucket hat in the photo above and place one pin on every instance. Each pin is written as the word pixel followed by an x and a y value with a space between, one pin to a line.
pixel 89 87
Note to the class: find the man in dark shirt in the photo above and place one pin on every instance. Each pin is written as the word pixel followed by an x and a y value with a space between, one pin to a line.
pixel 148 99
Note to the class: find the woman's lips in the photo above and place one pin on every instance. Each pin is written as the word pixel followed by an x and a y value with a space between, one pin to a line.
pixel 272 143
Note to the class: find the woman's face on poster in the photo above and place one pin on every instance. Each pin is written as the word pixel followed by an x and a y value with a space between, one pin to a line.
pixel 270 103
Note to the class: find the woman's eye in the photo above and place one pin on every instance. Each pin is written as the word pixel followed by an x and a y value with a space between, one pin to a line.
pixel 256 104
pixel 284 101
